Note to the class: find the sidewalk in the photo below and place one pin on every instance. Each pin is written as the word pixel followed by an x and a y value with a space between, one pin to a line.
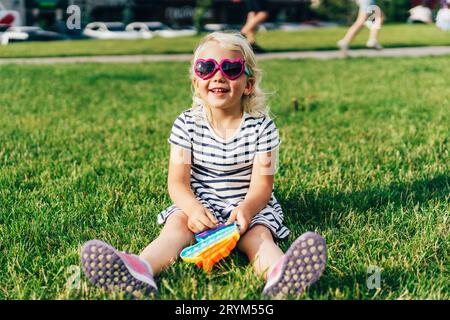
pixel 322 55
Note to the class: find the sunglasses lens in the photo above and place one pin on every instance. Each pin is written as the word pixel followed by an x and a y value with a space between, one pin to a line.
pixel 204 68
pixel 232 69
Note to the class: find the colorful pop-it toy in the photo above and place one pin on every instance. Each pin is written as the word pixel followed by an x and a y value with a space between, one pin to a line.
pixel 212 246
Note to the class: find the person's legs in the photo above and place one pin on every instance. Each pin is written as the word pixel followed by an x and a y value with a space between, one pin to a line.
pixel 247 24
pixel 355 28
pixel 375 29
pixel 254 19
pixel 257 243
pixel 165 249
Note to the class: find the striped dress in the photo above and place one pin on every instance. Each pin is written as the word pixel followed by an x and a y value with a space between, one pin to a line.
pixel 221 169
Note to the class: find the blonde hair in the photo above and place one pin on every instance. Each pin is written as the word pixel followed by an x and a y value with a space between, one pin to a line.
pixel 254 104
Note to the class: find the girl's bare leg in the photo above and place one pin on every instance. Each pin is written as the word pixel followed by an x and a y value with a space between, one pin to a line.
pixel 257 243
pixel 166 248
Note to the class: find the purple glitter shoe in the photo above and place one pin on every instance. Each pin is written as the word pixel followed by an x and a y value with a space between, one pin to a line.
pixel 110 269
pixel 302 265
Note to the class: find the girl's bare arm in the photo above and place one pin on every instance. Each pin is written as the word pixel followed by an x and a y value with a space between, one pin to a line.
pixel 179 179
pixel 261 183
pixel 181 193
pixel 260 190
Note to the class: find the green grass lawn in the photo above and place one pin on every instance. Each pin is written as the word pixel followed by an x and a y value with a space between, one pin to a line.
pixel 400 35
pixel 364 162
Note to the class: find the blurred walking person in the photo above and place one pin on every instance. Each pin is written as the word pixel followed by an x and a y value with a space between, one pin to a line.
pixel 443 16
pixel 257 14
pixel 366 8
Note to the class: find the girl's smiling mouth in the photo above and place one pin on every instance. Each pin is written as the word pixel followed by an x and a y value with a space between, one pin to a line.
pixel 219 91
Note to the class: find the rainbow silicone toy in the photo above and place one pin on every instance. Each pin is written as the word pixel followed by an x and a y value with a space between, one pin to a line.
pixel 212 246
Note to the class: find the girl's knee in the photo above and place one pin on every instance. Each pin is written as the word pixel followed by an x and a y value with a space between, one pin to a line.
pixel 255 236
pixel 177 225
pixel 260 231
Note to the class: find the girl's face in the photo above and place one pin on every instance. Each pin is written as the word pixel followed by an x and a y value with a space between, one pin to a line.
pixel 230 95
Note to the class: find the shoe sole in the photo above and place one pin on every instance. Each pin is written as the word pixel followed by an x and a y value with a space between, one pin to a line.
pixel 104 268
pixel 303 265
pixel 342 47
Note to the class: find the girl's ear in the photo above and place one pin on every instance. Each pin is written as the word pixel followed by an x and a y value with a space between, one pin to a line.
pixel 250 86
pixel 194 83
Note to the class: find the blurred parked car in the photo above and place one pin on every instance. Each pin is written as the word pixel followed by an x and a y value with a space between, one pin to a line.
pixel 9 18
pixel 13 34
pixel 116 30
pixel 10 35
pixel 162 30
pixel 211 27
pixel 420 14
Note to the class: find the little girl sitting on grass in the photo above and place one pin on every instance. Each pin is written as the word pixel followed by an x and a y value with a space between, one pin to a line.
pixel 221 170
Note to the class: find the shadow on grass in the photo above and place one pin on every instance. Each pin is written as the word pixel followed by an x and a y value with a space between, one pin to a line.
pixel 311 207
pixel 314 206
pixel 359 285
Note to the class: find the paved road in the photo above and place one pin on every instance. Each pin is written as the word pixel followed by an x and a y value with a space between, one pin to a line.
pixel 323 55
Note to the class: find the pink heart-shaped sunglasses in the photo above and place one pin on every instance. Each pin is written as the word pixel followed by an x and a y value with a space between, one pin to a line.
pixel 230 69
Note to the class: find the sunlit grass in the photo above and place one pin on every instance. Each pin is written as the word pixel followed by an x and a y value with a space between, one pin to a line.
pixel 396 35
pixel 364 162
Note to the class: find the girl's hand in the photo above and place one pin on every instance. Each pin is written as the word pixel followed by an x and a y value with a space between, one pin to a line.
pixel 243 217
pixel 200 219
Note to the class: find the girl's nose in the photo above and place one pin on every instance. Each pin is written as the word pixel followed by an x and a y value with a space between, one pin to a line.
pixel 218 76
